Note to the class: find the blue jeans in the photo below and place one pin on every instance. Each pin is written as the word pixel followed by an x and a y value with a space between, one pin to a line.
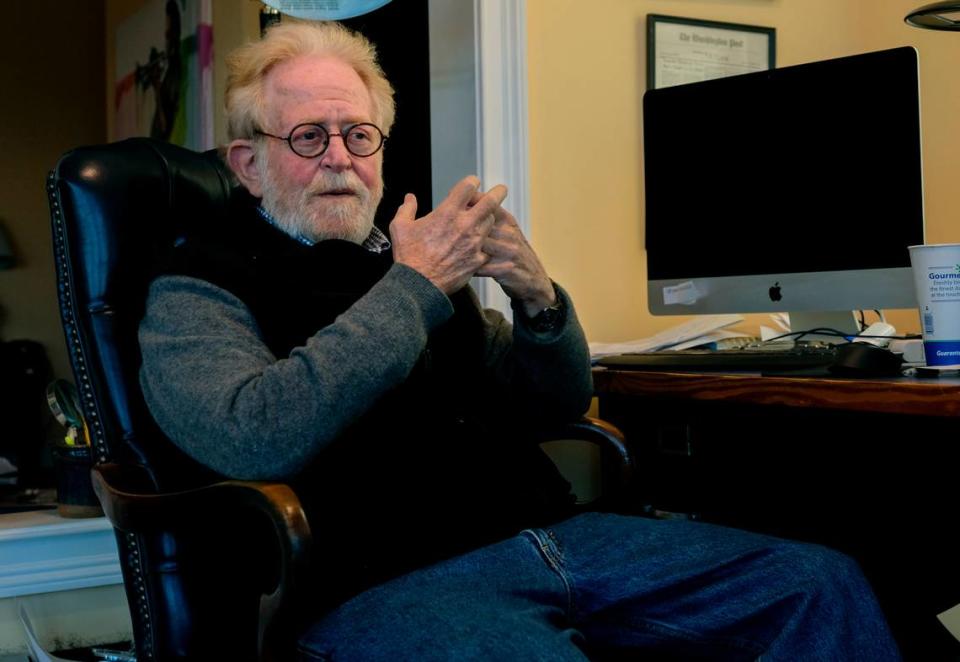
pixel 602 586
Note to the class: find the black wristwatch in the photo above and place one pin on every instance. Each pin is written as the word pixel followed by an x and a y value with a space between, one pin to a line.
pixel 547 319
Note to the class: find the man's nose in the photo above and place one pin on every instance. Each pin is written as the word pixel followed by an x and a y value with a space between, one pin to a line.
pixel 336 156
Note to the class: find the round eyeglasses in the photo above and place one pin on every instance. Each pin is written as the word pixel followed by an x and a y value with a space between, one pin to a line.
pixel 312 140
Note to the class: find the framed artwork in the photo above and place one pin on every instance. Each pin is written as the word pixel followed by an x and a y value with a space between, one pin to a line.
pixel 164 74
pixel 686 50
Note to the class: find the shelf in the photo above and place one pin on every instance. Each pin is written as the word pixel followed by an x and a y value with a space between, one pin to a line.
pixel 43 552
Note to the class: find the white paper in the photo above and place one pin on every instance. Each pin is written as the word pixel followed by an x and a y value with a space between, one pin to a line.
pixel 694 328
pixel 781 320
pixel 713 336
pixel 951 620
pixel 691 53
pixel 782 323
pixel 766 333
pixel 36 650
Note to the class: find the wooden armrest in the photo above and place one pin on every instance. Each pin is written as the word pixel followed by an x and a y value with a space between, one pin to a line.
pixel 132 506
pixel 618 460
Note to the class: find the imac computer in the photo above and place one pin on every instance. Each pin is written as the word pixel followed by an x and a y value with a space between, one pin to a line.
pixel 791 190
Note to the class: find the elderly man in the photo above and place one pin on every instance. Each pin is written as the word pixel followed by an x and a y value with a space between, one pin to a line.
pixel 299 343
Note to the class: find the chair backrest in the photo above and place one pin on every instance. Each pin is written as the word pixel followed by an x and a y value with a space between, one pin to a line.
pixel 115 210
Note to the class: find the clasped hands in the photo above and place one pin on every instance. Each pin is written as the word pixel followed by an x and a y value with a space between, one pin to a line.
pixel 470 234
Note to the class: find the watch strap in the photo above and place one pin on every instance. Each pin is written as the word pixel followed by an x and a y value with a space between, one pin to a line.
pixel 547 319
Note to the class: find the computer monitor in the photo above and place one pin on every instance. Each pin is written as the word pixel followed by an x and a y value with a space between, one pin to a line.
pixel 796 189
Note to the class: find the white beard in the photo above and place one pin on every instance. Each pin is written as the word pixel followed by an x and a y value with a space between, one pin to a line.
pixel 306 213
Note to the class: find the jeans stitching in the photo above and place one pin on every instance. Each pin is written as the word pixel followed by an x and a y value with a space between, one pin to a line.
pixel 550 552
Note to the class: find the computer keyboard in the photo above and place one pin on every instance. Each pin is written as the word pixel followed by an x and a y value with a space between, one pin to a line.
pixel 751 359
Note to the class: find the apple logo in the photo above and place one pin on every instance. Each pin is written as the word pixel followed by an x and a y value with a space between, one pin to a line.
pixel 775 292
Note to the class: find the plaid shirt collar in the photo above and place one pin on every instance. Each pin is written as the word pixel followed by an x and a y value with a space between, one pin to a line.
pixel 376 241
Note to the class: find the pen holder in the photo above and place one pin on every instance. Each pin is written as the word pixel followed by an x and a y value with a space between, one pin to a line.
pixel 75 495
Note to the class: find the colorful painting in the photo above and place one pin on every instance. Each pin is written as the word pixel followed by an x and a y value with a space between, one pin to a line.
pixel 164 74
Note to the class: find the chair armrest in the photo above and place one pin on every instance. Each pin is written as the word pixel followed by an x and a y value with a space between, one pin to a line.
pixel 132 506
pixel 618 465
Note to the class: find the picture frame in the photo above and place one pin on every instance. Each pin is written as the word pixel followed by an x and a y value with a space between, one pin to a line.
pixel 686 50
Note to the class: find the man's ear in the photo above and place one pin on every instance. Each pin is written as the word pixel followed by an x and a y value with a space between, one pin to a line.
pixel 242 159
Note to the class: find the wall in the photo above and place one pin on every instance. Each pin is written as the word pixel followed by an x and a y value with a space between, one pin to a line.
pixel 52 82
pixel 583 66
pixel 587 76
pixel 56 97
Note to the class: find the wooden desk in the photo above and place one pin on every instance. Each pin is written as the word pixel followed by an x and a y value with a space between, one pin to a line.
pixel 870 467
pixel 906 395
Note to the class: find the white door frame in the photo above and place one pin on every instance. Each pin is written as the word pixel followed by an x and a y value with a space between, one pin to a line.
pixel 501 79
pixel 478 106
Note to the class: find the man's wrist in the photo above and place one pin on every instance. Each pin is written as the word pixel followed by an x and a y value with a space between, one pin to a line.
pixel 543 300
pixel 546 318
pixel 542 295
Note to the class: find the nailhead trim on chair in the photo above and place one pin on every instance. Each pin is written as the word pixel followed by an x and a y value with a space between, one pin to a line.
pixel 136 563
pixel 89 406
pixel 70 326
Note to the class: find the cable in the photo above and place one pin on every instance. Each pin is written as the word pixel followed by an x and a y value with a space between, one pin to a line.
pixel 819 330
pixel 822 331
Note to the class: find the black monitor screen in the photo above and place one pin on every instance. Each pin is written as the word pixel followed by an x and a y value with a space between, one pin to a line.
pixel 814 167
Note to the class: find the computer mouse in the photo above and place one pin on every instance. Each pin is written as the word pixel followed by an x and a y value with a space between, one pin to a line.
pixel 858 359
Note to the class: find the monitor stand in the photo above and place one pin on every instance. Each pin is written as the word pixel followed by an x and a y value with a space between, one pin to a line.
pixel 844 321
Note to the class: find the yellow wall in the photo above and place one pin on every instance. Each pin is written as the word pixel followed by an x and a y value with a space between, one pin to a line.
pixel 587 75
pixel 52 89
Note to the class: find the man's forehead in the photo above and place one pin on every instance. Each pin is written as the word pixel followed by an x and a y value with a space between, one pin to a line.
pixel 316 81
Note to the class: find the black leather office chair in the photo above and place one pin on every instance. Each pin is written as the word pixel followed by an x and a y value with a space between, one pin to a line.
pixel 211 568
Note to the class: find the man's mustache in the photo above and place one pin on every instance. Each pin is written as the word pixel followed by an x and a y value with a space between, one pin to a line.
pixel 346 183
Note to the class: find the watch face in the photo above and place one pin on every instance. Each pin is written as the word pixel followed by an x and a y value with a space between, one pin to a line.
pixel 547 318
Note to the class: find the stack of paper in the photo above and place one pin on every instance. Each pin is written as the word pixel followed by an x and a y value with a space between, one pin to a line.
pixel 697 331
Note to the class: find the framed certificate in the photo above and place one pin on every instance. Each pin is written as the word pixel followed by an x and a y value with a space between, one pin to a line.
pixel 685 50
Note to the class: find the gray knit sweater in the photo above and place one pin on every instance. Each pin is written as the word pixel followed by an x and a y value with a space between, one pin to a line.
pixel 220 395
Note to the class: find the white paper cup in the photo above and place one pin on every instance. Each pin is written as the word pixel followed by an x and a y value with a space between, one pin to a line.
pixel 936 274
